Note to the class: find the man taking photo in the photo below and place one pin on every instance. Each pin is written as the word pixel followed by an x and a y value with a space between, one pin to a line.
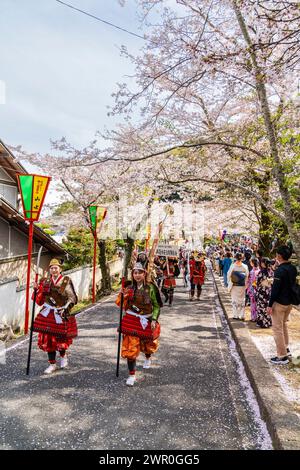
pixel 280 303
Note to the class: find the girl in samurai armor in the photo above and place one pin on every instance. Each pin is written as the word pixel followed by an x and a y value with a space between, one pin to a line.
pixel 139 326
pixel 54 324
pixel 197 276
pixel 170 271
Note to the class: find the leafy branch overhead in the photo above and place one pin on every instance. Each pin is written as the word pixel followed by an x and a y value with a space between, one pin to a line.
pixel 214 115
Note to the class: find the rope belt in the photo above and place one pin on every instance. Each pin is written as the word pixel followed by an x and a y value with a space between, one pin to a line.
pixel 143 318
pixel 47 309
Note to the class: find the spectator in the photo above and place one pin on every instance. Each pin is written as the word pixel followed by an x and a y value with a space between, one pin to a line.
pixel 221 263
pixel 280 303
pixel 263 292
pixel 251 286
pixel 246 261
pixel 226 263
pixel 217 257
pixel 237 278
pixel 247 258
pixel 259 254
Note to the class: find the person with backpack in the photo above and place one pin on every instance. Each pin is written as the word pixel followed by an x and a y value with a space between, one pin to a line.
pixel 284 294
pixel 56 328
pixel 237 278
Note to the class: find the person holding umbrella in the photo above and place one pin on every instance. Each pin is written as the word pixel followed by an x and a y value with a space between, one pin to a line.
pixel 56 328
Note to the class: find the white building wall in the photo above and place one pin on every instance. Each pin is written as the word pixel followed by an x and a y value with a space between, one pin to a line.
pixel 12 298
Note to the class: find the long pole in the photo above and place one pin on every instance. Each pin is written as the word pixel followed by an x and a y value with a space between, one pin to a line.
pixel 120 327
pixel 168 269
pixel 33 309
pixel 28 276
pixel 188 277
pixel 94 268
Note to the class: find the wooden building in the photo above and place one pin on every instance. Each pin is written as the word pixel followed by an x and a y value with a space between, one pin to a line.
pixel 14 229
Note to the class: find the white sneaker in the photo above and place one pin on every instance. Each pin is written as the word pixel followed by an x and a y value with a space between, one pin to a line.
pixel 147 364
pixel 130 381
pixel 50 369
pixel 63 362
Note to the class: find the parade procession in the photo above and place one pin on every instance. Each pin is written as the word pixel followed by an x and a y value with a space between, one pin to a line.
pixel 149 230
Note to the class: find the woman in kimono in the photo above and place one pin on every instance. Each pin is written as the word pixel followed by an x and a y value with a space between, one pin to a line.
pixel 251 287
pixel 263 291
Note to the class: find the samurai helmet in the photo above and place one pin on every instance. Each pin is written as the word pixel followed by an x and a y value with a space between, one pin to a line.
pixel 138 266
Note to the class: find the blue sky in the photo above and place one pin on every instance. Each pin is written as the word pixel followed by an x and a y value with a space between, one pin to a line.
pixel 60 68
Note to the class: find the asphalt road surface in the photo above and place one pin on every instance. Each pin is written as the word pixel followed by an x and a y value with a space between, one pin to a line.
pixel 195 396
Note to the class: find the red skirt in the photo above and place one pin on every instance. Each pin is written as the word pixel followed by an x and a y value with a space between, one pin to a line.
pixel 47 325
pixel 131 326
pixel 197 280
pixel 169 283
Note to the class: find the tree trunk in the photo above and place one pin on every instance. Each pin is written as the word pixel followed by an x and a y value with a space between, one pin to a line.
pixel 129 246
pixel 265 221
pixel 105 281
pixel 266 113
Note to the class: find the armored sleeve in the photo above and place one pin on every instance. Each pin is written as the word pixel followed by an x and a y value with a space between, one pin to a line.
pixel 155 305
pixel 70 293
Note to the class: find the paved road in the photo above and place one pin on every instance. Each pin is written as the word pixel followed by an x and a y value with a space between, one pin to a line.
pixel 195 396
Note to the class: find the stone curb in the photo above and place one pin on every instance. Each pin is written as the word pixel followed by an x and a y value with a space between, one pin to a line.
pixel 282 422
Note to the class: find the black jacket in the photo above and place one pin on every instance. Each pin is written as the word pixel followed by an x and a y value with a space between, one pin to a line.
pixel 284 278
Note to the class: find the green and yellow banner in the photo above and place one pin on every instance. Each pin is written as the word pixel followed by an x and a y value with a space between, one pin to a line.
pixel 33 190
pixel 97 215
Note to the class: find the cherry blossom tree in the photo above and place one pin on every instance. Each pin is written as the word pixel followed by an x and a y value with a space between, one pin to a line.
pixel 213 113
pixel 207 71
pixel 84 178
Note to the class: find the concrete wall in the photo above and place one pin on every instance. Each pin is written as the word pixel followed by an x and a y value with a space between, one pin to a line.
pixel 17 267
pixel 11 303
pixel 12 296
